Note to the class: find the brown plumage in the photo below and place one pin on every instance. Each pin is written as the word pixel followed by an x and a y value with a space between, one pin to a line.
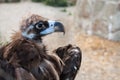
pixel 26 57
pixel 71 56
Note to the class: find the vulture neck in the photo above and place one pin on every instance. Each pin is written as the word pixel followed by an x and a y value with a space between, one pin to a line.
pixel 18 35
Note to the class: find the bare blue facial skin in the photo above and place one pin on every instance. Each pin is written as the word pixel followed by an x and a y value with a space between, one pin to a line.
pixel 50 29
pixel 31 35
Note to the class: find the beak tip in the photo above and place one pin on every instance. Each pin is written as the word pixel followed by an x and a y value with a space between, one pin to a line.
pixel 59 27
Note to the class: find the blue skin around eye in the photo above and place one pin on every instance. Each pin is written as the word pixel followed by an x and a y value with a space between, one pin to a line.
pixel 48 30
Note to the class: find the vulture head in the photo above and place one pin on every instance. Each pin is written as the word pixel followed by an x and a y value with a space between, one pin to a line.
pixel 36 27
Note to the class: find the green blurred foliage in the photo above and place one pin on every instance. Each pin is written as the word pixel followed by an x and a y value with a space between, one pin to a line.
pixel 56 3
pixel 69 13
pixel 38 0
pixel 7 1
pixel 62 3
pixel 64 10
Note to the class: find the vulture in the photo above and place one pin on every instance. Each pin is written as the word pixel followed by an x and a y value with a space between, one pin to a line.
pixel 25 57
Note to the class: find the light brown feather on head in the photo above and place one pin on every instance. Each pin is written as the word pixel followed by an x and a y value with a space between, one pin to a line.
pixel 31 20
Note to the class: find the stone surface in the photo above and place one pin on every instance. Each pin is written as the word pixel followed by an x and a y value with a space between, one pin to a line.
pixel 99 17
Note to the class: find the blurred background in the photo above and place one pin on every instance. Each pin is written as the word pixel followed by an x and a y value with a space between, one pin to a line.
pixel 93 25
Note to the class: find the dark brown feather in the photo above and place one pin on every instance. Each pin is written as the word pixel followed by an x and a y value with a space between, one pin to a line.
pixel 30 56
pixel 71 56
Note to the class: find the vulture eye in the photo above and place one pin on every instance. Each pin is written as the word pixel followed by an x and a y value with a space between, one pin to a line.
pixel 39 25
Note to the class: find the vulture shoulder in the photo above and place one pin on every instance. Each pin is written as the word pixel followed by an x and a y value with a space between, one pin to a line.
pixel 31 57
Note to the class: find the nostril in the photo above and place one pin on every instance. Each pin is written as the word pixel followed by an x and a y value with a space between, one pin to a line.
pixel 51 25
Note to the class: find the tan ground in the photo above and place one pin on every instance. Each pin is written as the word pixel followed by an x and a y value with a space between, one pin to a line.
pixel 101 58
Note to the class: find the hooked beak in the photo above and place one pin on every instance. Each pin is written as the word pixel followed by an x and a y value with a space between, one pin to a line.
pixel 53 26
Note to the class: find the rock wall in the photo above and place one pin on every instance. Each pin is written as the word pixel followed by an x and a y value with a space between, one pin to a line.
pixel 99 17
